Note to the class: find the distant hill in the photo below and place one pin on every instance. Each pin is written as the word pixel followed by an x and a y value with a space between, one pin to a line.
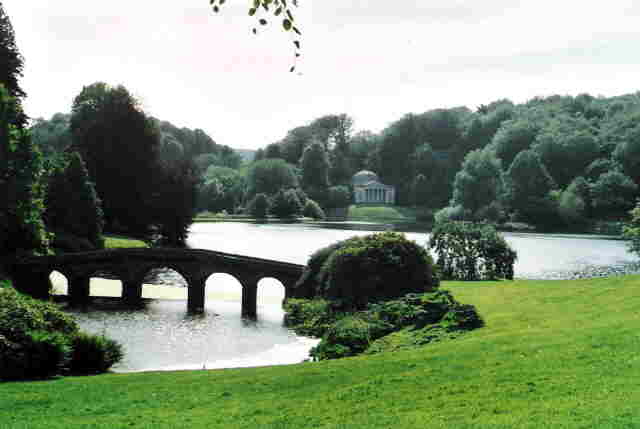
pixel 246 154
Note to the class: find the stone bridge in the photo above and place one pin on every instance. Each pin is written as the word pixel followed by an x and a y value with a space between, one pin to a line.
pixel 31 274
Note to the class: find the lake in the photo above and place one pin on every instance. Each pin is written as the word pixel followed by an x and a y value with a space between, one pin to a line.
pixel 162 336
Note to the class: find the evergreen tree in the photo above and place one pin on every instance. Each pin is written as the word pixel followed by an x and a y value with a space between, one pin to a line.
pixel 22 188
pixel 72 203
pixel 11 68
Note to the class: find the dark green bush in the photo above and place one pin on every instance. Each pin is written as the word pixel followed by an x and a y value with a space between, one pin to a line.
pixel 258 206
pixel 377 267
pixel 94 354
pixel 39 340
pixel 468 251
pixel 286 204
pixel 313 210
pixel 374 267
pixel 309 317
pixel 428 317
pixel 35 354
pixel 348 336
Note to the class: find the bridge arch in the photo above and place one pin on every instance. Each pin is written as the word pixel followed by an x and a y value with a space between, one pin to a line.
pixel 271 290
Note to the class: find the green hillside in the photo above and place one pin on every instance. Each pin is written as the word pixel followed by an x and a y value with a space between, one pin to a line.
pixel 561 354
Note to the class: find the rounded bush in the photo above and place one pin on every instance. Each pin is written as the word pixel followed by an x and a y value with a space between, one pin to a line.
pixel 94 354
pixel 376 267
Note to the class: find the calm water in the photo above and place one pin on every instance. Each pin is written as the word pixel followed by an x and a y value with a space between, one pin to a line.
pixel 162 336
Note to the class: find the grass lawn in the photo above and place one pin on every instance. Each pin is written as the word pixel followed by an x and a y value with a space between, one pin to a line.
pixel 553 354
pixel 112 241
pixel 381 213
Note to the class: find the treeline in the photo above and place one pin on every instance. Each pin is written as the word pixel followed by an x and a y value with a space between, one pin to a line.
pixel 553 161
pixel 146 171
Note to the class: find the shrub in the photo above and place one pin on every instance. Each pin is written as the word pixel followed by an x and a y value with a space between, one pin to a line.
pixel 258 206
pixel 37 354
pixel 94 353
pixel 468 251
pixel 375 267
pixel 286 204
pixel 309 317
pixel 34 337
pixel 349 336
pixel 631 231
pixel 428 317
pixel 313 210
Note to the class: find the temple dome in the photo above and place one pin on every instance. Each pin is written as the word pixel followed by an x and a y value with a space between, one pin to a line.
pixel 363 177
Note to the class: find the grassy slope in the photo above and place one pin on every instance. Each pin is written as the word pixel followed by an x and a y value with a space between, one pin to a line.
pixel 381 213
pixel 562 354
pixel 113 241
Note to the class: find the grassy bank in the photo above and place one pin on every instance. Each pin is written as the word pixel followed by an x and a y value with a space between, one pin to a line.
pixel 113 241
pixel 372 213
pixel 553 354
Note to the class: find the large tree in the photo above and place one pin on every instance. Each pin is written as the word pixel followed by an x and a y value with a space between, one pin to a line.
pixel 11 68
pixel 479 183
pixel 119 144
pixel 269 176
pixel 527 189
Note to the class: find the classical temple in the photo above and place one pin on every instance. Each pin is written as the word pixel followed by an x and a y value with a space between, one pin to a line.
pixel 368 188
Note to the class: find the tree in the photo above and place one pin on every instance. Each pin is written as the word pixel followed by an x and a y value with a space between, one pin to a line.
pixel 338 197
pixel 513 137
pixel 479 183
pixel 72 205
pixel 52 136
pixel 315 167
pixel 627 153
pixel 286 204
pixel 269 176
pixel 527 189
pixel 11 69
pixel 258 206
pixel 566 147
pixel 119 144
pixel 22 186
pixel 174 201
pixel 613 194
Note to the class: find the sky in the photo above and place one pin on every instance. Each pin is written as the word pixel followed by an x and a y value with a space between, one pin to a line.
pixel 371 59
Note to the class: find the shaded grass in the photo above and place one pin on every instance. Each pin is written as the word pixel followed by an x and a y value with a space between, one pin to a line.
pixel 113 241
pixel 562 354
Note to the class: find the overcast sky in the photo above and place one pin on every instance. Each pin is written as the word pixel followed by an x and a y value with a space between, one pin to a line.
pixel 374 60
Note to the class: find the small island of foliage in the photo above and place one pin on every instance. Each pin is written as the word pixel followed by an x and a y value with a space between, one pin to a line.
pixel 377 293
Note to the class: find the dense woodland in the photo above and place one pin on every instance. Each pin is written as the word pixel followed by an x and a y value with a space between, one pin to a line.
pixel 555 162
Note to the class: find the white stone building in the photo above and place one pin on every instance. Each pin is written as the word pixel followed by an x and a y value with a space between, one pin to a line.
pixel 368 189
